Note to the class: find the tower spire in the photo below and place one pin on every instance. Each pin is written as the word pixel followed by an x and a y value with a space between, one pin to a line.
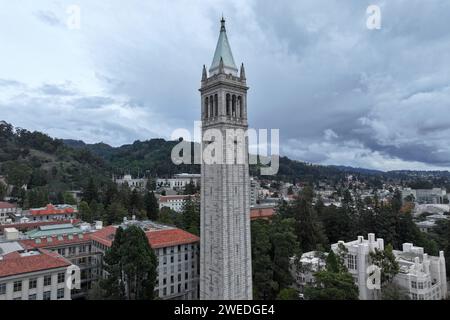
pixel 204 75
pixel 223 51
pixel 242 72
pixel 221 66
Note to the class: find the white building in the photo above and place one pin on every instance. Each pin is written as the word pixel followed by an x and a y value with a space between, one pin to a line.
pixel 32 274
pixel 426 196
pixel 254 191
pixel 139 183
pixel 6 209
pixel 303 270
pixel 176 202
pixel 421 276
pixel 179 181
pixel 178 258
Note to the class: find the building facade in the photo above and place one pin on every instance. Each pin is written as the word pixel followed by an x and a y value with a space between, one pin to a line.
pixel 33 275
pixel 225 266
pixel 179 181
pixel 178 258
pixel 175 202
pixel 6 210
pixel 421 277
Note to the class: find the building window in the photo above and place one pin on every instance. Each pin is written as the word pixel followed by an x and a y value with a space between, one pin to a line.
pixel 17 286
pixel 164 291
pixel 32 283
pixel 61 277
pixel 414 296
pixel 352 263
pixel 2 288
pixel 171 259
pixel 47 280
pixel 32 297
pixel 179 277
pixel 179 288
pixel 420 285
pixel 413 284
pixel 60 293
pixel 171 280
pixel 172 289
pixel 186 275
pixel 47 295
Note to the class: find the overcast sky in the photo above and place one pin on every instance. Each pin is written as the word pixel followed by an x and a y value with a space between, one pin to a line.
pixel 339 92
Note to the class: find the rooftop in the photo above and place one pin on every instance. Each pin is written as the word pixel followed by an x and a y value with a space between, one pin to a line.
pixel 51 209
pixel 24 262
pixel 53 230
pixel 6 205
pixel 159 236
pixel 223 52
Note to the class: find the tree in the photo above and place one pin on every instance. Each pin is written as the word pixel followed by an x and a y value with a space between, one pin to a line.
pixel 69 199
pixel 90 193
pixel 115 212
pixel 190 188
pixel 136 202
pixel 85 213
pixel 263 283
pixel 151 206
pixel 309 229
pixel 288 294
pixel 131 264
pixel 190 215
pixel 3 190
pixel 385 260
pixel 333 283
pixel 273 245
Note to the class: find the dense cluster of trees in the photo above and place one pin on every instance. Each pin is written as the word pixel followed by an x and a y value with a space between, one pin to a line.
pixel 111 203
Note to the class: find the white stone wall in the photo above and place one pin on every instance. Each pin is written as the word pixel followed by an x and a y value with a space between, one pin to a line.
pixel 27 293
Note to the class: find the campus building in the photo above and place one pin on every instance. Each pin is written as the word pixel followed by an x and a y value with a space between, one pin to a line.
pixel 35 274
pixel 178 257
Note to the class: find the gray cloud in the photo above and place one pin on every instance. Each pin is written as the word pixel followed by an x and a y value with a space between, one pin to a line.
pixel 338 92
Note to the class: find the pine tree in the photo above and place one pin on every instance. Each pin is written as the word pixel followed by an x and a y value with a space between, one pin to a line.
pixel 131 264
pixel 151 206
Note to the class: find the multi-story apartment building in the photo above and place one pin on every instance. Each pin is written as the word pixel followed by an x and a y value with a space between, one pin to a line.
pixel 178 257
pixel 6 209
pixel 35 274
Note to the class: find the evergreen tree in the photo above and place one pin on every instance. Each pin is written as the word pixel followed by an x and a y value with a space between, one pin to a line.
pixel 309 229
pixel 90 193
pixel 151 206
pixel 333 283
pixel 131 264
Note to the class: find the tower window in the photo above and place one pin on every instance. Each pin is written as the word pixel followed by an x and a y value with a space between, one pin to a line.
pixel 240 106
pixel 228 104
pixel 206 107
pixel 216 105
pixel 233 106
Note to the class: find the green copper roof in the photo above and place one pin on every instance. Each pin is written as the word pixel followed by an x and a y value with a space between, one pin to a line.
pixel 53 230
pixel 223 50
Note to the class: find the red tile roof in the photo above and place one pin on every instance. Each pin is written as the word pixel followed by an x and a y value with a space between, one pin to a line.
pixel 156 238
pixel 51 210
pixel 170 237
pixel 7 205
pixel 44 243
pixel 33 225
pixel 261 213
pixel 13 263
